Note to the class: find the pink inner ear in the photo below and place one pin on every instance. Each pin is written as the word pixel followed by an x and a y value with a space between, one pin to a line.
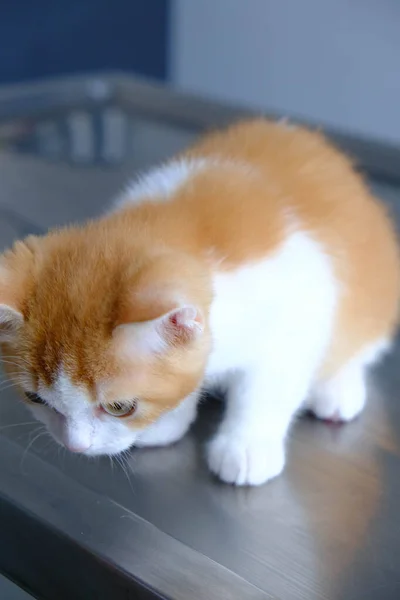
pixel 183 324
pixel 179 326
pixel 184 317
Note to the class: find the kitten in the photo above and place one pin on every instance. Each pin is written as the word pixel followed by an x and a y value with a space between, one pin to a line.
pixel 258 259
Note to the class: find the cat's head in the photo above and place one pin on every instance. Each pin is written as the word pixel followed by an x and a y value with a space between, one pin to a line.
pixel 101 337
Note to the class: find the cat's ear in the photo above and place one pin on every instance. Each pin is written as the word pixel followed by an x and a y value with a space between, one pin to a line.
pixel 15 265
pixel 11 318
pixel 11 321
pixel 181 326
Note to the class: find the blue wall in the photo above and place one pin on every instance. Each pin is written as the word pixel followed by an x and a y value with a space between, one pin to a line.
pixel 41 38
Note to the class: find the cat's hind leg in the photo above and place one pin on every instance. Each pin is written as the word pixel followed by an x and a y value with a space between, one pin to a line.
pixel 343 397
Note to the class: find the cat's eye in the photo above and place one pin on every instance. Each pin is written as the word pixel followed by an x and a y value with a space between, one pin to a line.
pixel 34 398
pixel 120 409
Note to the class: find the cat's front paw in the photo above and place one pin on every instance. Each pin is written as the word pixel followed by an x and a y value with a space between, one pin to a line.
pixel 245 462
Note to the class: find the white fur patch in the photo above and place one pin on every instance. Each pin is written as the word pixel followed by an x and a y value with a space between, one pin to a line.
pixel 162 182
pixel 271 324
pixel 262 307
pixel 74 421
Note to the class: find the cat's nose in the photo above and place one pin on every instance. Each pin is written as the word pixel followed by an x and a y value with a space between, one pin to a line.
pixel 77 447
pixel 76 439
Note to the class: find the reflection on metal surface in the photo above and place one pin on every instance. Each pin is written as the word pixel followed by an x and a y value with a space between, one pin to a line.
pixel 159 523
pixel 320 531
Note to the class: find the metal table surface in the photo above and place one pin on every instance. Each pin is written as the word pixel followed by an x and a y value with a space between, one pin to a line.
pixel 159 525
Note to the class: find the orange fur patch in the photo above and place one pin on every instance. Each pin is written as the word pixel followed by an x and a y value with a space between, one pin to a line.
pixel 74 286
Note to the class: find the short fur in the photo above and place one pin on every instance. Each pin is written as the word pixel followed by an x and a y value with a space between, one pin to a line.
pixel 258 259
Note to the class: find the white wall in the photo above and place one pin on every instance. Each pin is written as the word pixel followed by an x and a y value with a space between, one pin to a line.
pixel 334 61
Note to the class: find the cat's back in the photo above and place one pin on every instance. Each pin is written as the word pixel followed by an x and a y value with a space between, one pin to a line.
pixel 304 183
pixel 317 189
pixel 301 166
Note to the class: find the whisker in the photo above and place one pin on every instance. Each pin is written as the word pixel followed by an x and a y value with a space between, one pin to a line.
pixel 19 359
pixel 17 379
pixel 14 384
pixel 15 375
pixel 41 432
pixel 12 377
pixel 50 443
pixel 9 386
pixel 121 458
pixel 10 361
pixel 17 425
pixel 112 464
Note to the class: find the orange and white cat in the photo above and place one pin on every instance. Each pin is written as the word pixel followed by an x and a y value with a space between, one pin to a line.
pixel 257 260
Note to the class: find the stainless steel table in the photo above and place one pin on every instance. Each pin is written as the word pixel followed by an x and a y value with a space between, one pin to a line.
pixel 159 525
